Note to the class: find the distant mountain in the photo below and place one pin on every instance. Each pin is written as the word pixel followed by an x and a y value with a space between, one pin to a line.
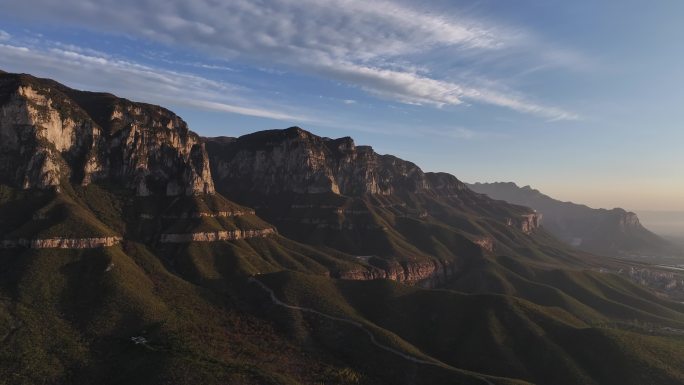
pixel 613 232
pixel 132 251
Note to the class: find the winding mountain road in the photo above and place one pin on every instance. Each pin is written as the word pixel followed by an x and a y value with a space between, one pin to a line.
pixel 357 324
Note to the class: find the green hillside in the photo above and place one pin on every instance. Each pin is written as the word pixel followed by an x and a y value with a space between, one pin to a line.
pixel 494 334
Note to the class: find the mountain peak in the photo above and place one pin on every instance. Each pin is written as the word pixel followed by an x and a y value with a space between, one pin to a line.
pixel 296 130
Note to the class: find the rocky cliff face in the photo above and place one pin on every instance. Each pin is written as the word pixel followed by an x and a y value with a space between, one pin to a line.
pixel 296 161
pixel 422 273
pixel 61 243
pixel 527 223
pixel 628 220
pixel 485 242
pixel 216 236
pixel 50 134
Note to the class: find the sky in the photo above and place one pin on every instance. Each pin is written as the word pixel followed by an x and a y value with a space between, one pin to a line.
pixel 583 100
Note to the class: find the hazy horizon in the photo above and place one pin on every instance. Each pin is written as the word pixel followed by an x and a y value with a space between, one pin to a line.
pixel 592 198
pixel 577 99
pixel 664 223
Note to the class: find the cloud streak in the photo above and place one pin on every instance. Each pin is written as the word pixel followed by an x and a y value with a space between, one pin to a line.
pixel 345 40
pixel 133 80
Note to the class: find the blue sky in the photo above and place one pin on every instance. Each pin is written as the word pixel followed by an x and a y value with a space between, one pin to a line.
pixel 580 99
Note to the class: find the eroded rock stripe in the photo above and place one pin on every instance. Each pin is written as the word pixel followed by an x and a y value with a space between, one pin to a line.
pixel 214 236
pixel 61 243
pixel 94 243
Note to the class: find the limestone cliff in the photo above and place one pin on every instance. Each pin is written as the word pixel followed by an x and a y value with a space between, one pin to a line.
pixel 274 163
pixel 294 160
pixel 527 223
pixel 430 273
pixel 61 243
pixel 51 134
pixel 215 236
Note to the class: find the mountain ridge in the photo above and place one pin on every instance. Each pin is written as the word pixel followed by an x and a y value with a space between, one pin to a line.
pixel 615 232
pixel 331 192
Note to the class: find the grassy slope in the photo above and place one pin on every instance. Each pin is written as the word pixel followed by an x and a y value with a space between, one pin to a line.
pixel 70 318
pixel 493 334
pixel 67 317
pixel 46 214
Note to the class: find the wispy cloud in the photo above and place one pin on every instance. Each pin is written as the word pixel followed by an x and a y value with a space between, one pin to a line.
pixel 461 133
pixel 358 42
pixel 217 106
pixel 137 81
pixel 413 88
pixel 4 36
pixel 416 131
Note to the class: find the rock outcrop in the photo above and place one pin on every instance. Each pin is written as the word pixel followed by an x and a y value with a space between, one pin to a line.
pixel 526 223
pixel 216 236
pixel 61 243
pixel 51 134
pixel 216 214
pixel 425 273
pixel 485 242
pixel 628 220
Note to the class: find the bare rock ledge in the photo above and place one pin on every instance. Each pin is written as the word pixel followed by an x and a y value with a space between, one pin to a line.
pixel 215 236
pixel 61 243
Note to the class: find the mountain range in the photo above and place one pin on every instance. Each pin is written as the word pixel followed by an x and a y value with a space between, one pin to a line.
pixel 134 251
pixel 614 232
